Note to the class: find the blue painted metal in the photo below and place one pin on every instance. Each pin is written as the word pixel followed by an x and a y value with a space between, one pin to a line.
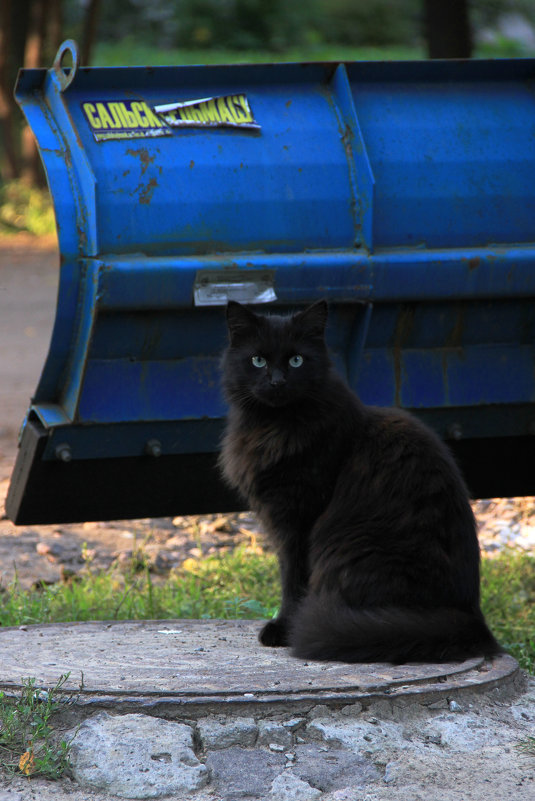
pixel 402 192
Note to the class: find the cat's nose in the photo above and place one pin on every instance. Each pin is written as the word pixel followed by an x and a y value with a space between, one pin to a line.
pixel 277 378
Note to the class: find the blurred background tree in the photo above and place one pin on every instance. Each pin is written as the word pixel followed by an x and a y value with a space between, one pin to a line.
pixel 135 31
pixel 447 29
pixel 30 34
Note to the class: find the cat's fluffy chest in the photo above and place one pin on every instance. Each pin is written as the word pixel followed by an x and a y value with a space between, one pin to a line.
pixel 248 449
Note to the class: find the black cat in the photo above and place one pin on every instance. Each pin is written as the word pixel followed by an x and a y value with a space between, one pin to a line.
pixel 365 506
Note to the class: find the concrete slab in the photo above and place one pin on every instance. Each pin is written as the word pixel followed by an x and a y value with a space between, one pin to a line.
pixel 190 667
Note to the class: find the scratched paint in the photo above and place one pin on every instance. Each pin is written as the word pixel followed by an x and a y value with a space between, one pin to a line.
pixel 146 191
pixel 144 157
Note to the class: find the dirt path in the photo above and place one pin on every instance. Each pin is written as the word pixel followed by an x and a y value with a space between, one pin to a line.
pixel 28 287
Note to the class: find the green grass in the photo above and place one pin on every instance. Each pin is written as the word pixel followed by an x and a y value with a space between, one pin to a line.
pixel 244 584
pixel 28 743
pixel 240 584
pixel 508 601
pixel 527 746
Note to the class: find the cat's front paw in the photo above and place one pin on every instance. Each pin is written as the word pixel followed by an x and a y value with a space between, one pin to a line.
pixel 274 634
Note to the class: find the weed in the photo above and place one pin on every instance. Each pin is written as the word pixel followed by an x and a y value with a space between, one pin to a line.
pixel 527 746
pixel 27 740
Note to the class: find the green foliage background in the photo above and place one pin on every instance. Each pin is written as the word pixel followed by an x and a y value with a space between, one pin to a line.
pixel 276 25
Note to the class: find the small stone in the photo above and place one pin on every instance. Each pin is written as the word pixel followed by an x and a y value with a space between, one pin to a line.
pixel 332 769
pixel 52 550
pixel 352 709
pixel 346 794
pixel 455 707
pixel 276 747
pixel 270 732
pixel 293 724
pixel 288 787
pixel 215 735
pixel 381 710
pixel 136 756
pixel 243 772
pixel 392 771
pixel 320 711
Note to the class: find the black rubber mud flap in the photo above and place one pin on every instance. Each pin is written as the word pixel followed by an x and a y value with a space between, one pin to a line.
pixel 52 491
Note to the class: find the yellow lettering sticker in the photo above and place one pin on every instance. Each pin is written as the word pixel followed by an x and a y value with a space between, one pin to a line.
pixel 123 119
pixel 92 116
pixel 128 119
pixel 210 112
pixel 224 113
pixel 240 101
pixel 229 111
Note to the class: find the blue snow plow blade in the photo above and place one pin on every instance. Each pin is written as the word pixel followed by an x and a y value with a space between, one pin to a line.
pixel 403 193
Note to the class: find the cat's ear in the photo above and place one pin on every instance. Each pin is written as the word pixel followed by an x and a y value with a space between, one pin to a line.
pixel 312 320
pixel 240 320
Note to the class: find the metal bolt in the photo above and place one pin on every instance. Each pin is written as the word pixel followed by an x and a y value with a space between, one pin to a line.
pixel 153 447
pixel 454 431
pixel 63 452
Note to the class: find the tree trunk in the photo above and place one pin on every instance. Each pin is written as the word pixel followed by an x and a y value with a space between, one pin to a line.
pixel 90 29
pixel 55 26
pixel 7 102
pixel 31 169
pixel 447 28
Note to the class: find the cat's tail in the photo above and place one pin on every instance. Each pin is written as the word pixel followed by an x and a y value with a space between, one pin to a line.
pixel 325 629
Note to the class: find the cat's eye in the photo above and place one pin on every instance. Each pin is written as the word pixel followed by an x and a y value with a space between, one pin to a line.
pixel 259 361
pixel 296 361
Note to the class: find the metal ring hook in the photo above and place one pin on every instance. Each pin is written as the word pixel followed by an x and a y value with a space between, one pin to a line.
pixel 66 78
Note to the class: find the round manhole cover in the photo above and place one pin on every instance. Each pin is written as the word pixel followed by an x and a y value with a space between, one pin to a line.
pixel 210 661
